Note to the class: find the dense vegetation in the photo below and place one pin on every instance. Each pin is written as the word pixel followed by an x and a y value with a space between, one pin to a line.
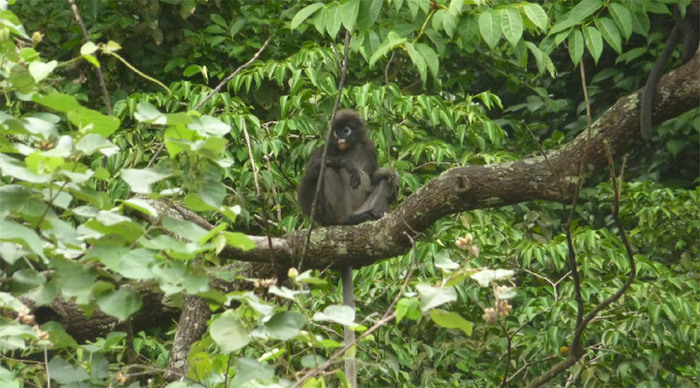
pixel 106 131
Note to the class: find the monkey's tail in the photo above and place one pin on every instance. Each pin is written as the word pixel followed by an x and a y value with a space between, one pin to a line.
pixel 647 102
pixel 349 300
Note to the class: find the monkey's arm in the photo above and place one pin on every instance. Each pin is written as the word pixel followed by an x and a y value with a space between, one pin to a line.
pixel 345 164
pixel 307 188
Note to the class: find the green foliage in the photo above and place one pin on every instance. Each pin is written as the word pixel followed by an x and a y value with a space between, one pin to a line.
pixel 442 84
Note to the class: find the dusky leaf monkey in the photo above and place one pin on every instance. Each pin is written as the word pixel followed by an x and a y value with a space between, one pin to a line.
pixel 353 189
pixel 686 30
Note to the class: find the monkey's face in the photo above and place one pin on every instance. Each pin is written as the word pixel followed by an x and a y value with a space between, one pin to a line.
pixel 344 137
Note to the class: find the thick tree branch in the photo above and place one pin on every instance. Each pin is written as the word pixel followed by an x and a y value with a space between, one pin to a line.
pixel 457 190
pixel 472 187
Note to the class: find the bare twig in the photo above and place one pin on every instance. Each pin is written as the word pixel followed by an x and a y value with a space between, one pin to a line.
pixel 319 184
pixel 218 88
pixel 86 38
pixel 576 350
pixel 235 72
pixel 261 198
pixel 388 316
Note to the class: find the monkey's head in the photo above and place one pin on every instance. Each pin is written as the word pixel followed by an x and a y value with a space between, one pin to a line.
pixel 348 129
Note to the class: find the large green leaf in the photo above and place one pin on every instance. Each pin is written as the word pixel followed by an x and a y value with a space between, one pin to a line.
pixel 304 14
pixel 121 303
pixel 432 297
pixel 490 27
pixel 228 332
pixel 451 320
pixel 511 25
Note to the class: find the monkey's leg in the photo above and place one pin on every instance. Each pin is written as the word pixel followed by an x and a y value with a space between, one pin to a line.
pixel 349 300
pixel 377 203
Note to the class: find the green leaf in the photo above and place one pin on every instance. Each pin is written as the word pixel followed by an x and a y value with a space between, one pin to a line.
pixel 121 303
pixel 228 332
pixel 92 121
pixel 511 24
pixel 455 7
pixel 248 369
pixel 111 46
pixel 238 240
pixel 178 139
pixel 675 146
pixel 39 163
pixel 40 70
pixel 610 33
pixel 12 232
pixel 370 10
pixel 333 20
pixel 576 46
pixel 212 192
pixel 486 276
pixel 65 373
pixel 584 9
pixel 407 307
pixel 430 57
pixel 141 180
pixel 93 142
pixel 432 297
pixel 418 61
pixel 58 101
pixel 282 326
pixel 218 19
pixel 147 113
pixel 92 59
pixel 392 40
pixel 185 229
pixel 208 125
pixel 442 260
pixel 9 301
pixel 88 48
pixel 348 13
pixel 449 23
pixel 594 42
pixel 622 17
pixel 22 79
pixel 342 314
pixel 562 26
pixel 141 206
pixel 490 27
pixel 135 264
pixel 451 320
pixel 110 223
pixel 304 14
pixel 537 16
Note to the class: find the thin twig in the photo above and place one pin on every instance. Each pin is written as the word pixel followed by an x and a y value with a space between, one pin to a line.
pixel 569 239
pixel 319 184
pixel 261 198
pixel 576 349
pixel 100 77
pixel 388 317
pixel 218 87
pixel 235 73
pixel 86 38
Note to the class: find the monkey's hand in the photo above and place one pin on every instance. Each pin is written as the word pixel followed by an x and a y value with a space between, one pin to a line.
pixel 353 176
pixel 349 167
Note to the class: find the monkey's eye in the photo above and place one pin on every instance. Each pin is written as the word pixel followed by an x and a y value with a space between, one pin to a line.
pixel 345 131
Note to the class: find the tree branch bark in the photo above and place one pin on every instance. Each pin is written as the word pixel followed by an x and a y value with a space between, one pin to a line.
pixel 473 187
pixel 456 190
